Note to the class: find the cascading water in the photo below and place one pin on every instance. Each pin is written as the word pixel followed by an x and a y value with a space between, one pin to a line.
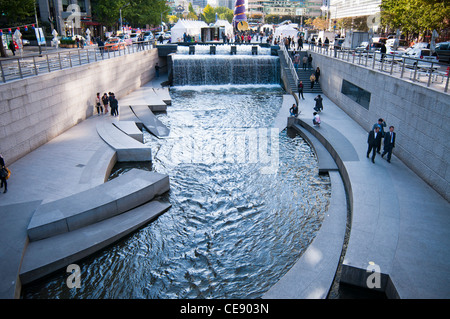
pixel 224 68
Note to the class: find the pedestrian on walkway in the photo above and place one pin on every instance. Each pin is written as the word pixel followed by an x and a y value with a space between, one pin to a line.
pixel 316 119
pixel 312 78
pixel 98 104
pixel 319 105
pixel 389 143
pixel 373 141
pixel 77 41
pixel 300 90
pixel 12 47
pixel 305 62
pixel 157 70
pixel 310 62
pixel 105 101
pixel 3 174
pixel 317 74
pixel 114 104
pixel 381 124
pixel 294 110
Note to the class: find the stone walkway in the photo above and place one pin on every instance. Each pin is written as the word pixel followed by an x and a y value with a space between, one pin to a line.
pixel 400 225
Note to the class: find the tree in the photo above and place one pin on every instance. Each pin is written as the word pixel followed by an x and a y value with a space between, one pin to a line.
pixel 137 13
pixel 209 15
pixel 225 13
pixel 320 23
pixel 13 13
pixel 415 16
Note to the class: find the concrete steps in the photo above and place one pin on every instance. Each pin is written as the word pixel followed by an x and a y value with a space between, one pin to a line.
pixel 107 200
pixel 149 120
pixel 127 148
pixel 51 254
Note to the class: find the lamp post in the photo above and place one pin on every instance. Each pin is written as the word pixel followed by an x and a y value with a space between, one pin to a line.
pixel 120 12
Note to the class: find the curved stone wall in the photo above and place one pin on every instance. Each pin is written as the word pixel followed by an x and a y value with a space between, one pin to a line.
pixel 420 115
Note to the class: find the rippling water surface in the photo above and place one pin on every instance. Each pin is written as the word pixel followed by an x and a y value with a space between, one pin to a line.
pixel 232 232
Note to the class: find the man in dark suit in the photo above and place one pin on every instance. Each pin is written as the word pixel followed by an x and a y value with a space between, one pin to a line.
pixel 389 143
pixel 374 140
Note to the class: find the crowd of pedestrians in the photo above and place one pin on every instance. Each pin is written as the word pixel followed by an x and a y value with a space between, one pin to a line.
pixel 102 103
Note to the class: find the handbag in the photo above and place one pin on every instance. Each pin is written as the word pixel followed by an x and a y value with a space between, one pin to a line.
pixel 5 173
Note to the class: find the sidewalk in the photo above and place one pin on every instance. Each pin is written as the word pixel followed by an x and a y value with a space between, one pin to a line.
pixel 73 162
pixel 399 223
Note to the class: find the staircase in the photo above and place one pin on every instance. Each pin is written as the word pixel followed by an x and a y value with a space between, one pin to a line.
pixel 304 76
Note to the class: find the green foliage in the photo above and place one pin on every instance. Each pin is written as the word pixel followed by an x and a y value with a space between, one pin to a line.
pixel 209 15
pixel 138 13
pixel 416 16
pixel 14 11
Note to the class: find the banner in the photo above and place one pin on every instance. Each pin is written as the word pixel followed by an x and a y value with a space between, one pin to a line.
pixel 40 36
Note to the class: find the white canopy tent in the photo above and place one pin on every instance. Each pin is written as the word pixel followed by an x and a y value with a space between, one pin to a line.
pixel 286 31
pixel 227 25
pixel 192 28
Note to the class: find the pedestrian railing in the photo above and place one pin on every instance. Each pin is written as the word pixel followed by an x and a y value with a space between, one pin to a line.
pixel 15 68
pixel 436 74
pixel 289 62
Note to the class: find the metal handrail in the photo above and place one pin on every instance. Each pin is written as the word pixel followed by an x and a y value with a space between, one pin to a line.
pixel 290 63
pixel 15 68
pixel 396 64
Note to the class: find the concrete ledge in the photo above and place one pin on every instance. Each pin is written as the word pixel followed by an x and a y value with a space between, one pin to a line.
pixel 48 255
pixel 164 95
pixel 312 275
pixel 130 128
pixel 149 120
pixel 104 201
pixel 147 96
pixel 326 162
pixel 127 148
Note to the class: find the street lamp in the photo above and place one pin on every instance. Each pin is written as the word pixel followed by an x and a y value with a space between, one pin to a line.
pixel 120 12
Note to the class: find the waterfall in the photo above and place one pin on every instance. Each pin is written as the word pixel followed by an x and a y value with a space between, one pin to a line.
pixel 225 69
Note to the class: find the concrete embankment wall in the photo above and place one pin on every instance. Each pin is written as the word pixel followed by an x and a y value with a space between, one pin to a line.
pixel 35 110
pixel 420 115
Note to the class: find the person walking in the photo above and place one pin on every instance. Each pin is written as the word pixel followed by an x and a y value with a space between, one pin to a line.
pixel 310 62
pixel 373 141
pixel 105 101
pixel 312 79
pixel 3 174
pixel 12 47
pixel 98 104
pixel 157 70
pixel 317 74
pixel 319 105
pixel 305 62
pixel 300 90
pixel 114 104
pixel 389 143
pixel 381 124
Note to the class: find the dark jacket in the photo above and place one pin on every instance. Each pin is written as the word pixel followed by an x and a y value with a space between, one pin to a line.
pixel 372 140
pixel 387 139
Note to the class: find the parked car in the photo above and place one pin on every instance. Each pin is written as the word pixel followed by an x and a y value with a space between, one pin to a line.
pixel 443 51
pixel 167 35
pixel 402 44
pixel 420 57
pixel 115 44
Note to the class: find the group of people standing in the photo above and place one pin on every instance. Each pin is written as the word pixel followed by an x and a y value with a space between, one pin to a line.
pixel 374 140
pixel 102 103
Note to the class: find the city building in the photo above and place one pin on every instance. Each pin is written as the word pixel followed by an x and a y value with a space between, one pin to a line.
pixel 61 14
pixel 309 8
pixel 353 8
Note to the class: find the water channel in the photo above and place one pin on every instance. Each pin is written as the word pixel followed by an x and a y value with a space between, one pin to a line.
pixel 234 229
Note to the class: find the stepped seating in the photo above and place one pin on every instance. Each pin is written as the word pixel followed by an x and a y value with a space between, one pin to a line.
pixel 127 148
pixel 109 199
